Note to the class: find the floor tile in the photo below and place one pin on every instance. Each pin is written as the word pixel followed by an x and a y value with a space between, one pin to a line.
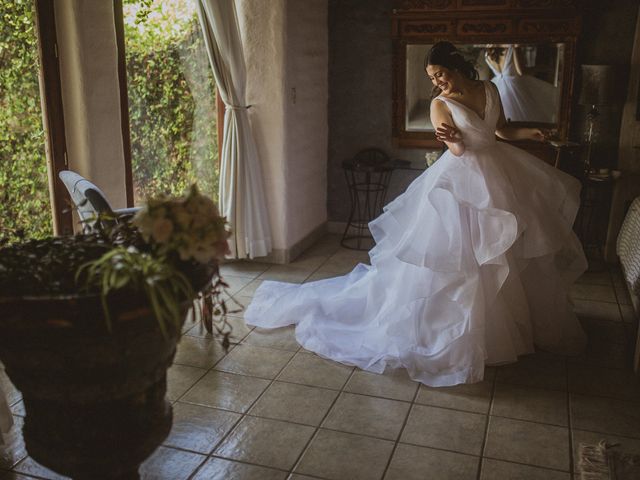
pixel 255 361
pixel 235 283
pixel 345 456
pixel 239 328
pixel 606 382
pixel 243 268
pixel 600 353
pixel 181 378
pixel 167 463
pixel 236 326
pixel 283 338
pixel 222 469
pixel 446 429
pixel 393 383
pixel 600 310
pixel 605 331
pixel 315 276
pixel 365 415
pixel 473 397
pixel 249 290
pixel 606 415
pixel 526 442
pixel 227 391
pixel 294 403
pixel 310 369
pixel 198 352
pixel 628 314
pixel 412 463
pixel 622 294
pixel 266 442
pixel 309 261
pixel 533 371
pixel 624 444
pixel 596 278
pixel 499 470
pixel 534 404
pixel 199 428
pixel 29 466
pixel 338 266
pixel 599 293
pixel 285 273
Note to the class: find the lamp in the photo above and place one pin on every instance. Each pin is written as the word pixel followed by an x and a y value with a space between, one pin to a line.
pixel 598 89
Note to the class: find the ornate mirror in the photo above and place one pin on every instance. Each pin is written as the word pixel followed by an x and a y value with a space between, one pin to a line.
pixel 525 47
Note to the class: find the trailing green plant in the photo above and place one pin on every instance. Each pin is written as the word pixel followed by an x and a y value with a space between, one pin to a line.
pixel 169 253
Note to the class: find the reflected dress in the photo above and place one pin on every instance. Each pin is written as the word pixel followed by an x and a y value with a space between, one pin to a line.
pixel 472 266
pixel 524 97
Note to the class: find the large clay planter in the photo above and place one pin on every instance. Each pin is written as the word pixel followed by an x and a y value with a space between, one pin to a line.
pixel 94 400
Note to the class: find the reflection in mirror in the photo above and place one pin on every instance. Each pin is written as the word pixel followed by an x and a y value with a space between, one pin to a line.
pixel 528 77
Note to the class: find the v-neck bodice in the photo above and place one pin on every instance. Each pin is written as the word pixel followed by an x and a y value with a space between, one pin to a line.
pixel 477 131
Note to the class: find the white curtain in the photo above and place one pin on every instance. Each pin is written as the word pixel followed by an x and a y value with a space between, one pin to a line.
pixel 241 197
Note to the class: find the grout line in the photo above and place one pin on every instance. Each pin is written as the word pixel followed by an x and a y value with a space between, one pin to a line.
pixel 571 464
pixel 404 424
pixel 317 428
pixel 486 424
pixel 243 415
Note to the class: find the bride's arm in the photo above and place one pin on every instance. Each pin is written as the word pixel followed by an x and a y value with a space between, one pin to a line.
pixel 446 131
pixel 509 132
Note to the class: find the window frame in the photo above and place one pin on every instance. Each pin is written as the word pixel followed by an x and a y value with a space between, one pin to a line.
pixel 124 103
pixel 52 114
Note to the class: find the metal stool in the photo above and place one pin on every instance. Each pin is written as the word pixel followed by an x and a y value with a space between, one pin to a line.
pixel 368 175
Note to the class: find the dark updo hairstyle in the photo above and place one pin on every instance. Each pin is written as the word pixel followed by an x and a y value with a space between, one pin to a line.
pixel 445 54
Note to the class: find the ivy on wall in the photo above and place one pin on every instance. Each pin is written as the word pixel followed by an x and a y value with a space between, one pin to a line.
pixel 24 190
pixel 171 106
pixel 171 99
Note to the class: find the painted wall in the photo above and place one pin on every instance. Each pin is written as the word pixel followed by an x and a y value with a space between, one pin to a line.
pixel 360 84
pixel 286 52
pixel 360 95
pixel 91 95
pixel 306 132
pixel 262 26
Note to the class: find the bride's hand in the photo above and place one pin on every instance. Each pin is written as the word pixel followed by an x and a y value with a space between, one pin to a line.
pixel 538 135
pixel 447 133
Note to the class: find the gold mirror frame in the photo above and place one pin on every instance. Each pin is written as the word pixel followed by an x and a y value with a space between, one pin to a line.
pixel 480 21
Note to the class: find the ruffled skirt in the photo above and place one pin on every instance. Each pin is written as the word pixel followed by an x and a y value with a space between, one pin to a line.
pixel 472 266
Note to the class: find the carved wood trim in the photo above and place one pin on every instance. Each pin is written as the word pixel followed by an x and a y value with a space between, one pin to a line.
pixel 485 27
pixel 545 26
pixel 427 28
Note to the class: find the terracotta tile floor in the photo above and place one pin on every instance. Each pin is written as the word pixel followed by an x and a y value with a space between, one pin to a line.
pixel 271 410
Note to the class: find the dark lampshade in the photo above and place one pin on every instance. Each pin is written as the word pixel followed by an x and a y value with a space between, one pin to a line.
pixel 599 85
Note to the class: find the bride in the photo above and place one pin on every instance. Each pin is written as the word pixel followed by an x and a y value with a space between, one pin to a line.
pixel 472 264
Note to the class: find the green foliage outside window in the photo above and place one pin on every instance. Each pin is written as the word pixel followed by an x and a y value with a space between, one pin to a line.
pixel 24 190
pixel 171 99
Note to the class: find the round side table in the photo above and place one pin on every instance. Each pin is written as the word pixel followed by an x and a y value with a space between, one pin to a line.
pixel 368 175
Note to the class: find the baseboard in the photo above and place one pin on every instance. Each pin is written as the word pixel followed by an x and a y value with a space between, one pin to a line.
pixel 288 255
pixel 336 227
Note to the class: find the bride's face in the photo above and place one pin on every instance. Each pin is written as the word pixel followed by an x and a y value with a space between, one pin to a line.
pixel 443 78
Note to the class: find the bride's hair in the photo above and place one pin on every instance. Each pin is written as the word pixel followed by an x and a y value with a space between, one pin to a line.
pixel 445 54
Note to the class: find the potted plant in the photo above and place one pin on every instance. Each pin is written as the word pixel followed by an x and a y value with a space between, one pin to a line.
pixel 89 325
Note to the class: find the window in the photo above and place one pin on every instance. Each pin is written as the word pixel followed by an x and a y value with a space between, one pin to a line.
pixel 29 83
pixel 172 114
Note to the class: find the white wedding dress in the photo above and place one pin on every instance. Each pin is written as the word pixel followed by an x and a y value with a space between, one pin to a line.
pixel 524 97
pixel 472 266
